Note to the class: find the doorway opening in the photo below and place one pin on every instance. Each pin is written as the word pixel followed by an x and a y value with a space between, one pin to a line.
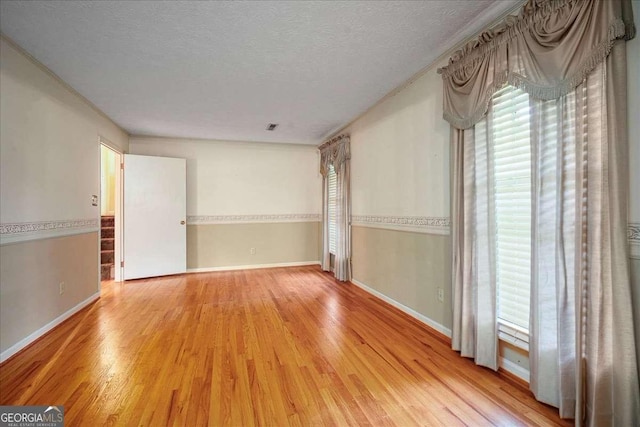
pixel 110 213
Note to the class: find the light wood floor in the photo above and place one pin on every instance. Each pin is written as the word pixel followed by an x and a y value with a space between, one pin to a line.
pixel 274 347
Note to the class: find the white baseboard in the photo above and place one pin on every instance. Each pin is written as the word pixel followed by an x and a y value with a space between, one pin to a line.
pixel 411 312
pixel 515 369
pixel 46 328
pixel 252 266
pixel 507 365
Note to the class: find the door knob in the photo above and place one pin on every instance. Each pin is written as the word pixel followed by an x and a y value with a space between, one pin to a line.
pixel 181 222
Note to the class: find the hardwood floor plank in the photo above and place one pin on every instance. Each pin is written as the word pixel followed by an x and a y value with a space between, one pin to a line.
pixel 288 346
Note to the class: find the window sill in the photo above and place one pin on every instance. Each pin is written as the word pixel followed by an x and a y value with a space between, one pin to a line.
pixel 513 334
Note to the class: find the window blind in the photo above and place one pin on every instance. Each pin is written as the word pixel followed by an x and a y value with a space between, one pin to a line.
pixel 333 185
pixel 511 158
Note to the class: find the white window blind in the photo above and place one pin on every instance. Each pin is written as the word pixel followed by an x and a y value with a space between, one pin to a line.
pixel 511 158
pixel 333 185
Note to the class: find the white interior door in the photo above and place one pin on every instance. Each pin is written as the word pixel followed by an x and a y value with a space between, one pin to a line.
pixel 155 207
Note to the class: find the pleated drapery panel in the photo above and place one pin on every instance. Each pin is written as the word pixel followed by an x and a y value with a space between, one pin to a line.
pixel 326 255
pixel 569 57
pixel 474 284
pixel 557 138
pixel 342 262
pixel 337 153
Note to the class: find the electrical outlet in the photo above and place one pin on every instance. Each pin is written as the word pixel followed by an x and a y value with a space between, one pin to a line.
pixel 61 288
pixel 253 251
pixel 440 294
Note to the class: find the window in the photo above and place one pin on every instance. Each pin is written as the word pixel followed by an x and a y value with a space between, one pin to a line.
pixel 511 177
pixel 333 186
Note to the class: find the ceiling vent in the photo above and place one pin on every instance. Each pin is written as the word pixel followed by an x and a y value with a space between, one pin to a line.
pixel 272 126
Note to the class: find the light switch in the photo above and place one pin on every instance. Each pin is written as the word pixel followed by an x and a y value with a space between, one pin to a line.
pixel 94 200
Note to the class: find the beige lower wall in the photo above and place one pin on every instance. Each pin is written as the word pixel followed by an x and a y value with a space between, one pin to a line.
pixel 407 267
pixel 635 291
pixel 30 276
pixel 228 245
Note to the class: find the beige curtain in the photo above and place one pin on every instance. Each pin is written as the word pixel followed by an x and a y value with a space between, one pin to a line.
pixel 582 173
pixel 546 51
pixel 337 152
pixel 342 267
pixel 557 137
pixel 569 55
pixel 326 255
pixel 474 285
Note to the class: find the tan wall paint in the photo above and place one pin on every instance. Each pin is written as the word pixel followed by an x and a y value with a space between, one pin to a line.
pixel 226 245
pixel 31 273
pixel 407 267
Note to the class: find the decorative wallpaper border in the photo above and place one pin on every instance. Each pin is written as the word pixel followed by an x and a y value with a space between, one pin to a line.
pixel 244 219
pixel 24 231
pixel 418 224
pixel 633 234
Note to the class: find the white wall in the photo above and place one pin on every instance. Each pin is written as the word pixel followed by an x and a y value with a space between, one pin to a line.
pixel 49 155
pixel 49 169
pixel 400 154
pixel 243 178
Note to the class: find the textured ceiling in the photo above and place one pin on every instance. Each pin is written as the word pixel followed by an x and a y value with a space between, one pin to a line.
pixel 224 70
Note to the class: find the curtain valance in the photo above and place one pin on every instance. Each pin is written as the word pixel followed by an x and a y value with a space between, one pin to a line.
pixel 547 51
pixel 334 152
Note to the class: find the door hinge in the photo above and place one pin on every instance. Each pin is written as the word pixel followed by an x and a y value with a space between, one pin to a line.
pixel 121 165
pixel 121 263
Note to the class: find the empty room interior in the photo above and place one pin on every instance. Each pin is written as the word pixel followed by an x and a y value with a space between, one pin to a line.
pixel 320 212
